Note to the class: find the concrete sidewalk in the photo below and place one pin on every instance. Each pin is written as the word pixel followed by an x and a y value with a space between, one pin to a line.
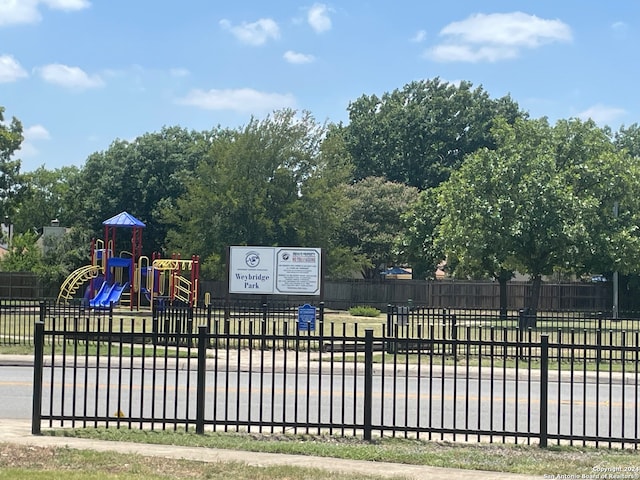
pixel 19 432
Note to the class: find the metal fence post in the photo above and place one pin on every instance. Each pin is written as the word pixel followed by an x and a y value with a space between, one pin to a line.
pixel 201 386
pixel 544 389
pixel 599 341
pixel 389 329
pixel 209 323
pixel 38 365
pixel 454 335
pixel 43 311
pixel 368 382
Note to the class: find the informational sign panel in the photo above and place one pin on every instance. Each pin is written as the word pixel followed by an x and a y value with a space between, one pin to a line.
pixel 298 271
pixel 251 270
pixel 275 270
pixel 307 317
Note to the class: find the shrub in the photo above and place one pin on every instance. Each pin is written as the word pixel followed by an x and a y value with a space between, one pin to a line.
pixel 364 311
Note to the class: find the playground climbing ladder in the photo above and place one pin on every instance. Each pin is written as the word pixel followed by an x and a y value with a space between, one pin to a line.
pixel 76 279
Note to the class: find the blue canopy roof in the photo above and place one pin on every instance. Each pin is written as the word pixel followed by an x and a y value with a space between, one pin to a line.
pixel 396 271
pixel 124 219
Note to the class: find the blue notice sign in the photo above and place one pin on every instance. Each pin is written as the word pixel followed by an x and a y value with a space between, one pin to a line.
pixel 306 317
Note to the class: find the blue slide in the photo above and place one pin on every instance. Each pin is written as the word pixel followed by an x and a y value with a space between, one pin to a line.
pixel 108 294
pixel 101 295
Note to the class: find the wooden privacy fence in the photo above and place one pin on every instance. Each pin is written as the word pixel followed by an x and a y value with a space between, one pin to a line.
pixel 20 285
pixel 460 294
pixel 342 295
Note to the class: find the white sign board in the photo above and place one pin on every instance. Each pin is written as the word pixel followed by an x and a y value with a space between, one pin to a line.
pixel 251 270
pixel 275 270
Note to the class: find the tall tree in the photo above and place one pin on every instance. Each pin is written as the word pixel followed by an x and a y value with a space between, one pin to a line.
pixel 141 177
pixel 250 187
pixel 543 202
pixel 418 135
pixel 628 139
pixel 605 175
pixel 508 210
pixel 10 140
pixel 416 244
pixel 374 221
pixel 43 198
pixel 323 207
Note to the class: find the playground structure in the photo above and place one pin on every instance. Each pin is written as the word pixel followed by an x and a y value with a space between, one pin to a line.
pixel 129 278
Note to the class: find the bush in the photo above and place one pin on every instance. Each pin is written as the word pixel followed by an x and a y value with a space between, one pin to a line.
pixel 364 311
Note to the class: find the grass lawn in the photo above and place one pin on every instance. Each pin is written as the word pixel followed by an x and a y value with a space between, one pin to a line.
pixel 526 459
pixel 19 462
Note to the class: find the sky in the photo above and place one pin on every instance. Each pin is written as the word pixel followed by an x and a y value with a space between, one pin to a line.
pixel 80 74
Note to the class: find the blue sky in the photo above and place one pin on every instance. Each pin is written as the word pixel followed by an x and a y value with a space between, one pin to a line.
pixel 81 73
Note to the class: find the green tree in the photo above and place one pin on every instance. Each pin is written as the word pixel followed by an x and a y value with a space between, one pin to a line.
pixel 43 196
pixel 24 255
pixel 251 187
pixel 604 176
pixel 508 209
pixel 142 177
pixel 418 135
pixel 63 254
pixel 374 221
pixel 10 140
pixel 628 139
pixel 416 244
pixel 322 207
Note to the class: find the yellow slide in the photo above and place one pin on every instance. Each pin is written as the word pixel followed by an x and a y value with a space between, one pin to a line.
pixel 76 279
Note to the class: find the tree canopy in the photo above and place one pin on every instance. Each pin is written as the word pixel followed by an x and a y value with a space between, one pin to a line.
pixel 142 177
pixel 260 185
pixel 374 221
pixel 10 140
pixel 540 202
pixel 419 134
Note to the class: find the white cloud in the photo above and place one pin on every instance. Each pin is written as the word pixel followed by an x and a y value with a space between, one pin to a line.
pixel 10 69
pixel 239 100
pixel 420 36
pixel 18 11
pixel 496 36
pixel 36 132
pixel 620 30
pixel 69 77
pixel 32 135
pixel 467 53
pixel 296 57
pixel 179 72
pixel 28 11
pixel 601 114
pixel 619 26
pixel 67 4
pixel 318 18
pixel 256 33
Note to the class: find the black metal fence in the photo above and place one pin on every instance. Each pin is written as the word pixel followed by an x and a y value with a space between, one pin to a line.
pixel 17 318
pixel 470 383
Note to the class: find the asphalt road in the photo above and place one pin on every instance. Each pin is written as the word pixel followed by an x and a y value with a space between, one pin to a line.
pixel 464 402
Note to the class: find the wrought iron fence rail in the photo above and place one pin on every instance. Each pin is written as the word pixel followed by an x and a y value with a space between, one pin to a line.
pixel 269 382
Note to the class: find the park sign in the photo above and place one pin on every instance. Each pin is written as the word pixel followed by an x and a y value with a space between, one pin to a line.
pixel 274 270
pixel 307 317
